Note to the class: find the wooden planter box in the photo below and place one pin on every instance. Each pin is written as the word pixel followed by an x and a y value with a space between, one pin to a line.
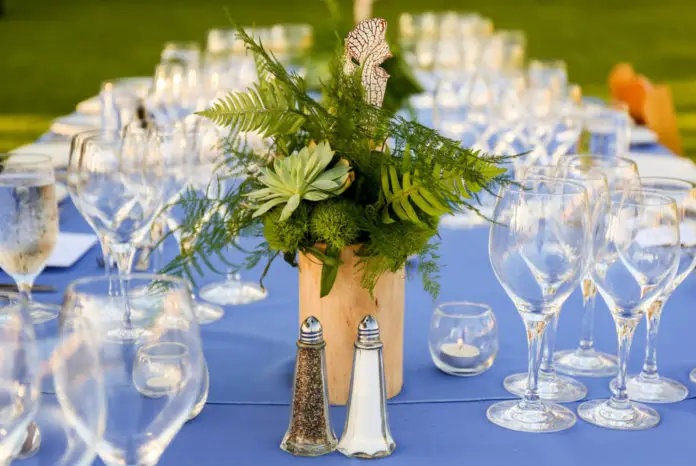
pixel 341 311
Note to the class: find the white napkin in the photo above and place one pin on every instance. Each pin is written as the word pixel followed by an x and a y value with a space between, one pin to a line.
pixel 70 247
pixel 59 151
pixel 664 165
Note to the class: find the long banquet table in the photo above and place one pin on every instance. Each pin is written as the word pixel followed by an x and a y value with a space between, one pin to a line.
pixel 437 418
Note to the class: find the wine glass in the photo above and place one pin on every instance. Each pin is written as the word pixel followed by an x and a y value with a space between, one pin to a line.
pixel 74 157
pixel 19 374
pixel 120 184
pixel 554 387
pixel 151 382
pixel 28 223
pixel 232 290
pixel 585 360
pixel 649 386
pixel 69 433
pixel 539 245
pixel 637 262
pixel 191 152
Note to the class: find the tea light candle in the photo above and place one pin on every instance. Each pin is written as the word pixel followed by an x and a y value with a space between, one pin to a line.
pixel 459 354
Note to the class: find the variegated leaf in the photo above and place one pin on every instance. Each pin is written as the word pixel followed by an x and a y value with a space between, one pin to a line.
pixel 367 48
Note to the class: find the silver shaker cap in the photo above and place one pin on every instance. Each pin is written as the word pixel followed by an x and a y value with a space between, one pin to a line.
pixel 368 330
pixel 311 332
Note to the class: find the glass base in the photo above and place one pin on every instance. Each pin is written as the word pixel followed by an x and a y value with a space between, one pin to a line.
pixel 232 292
pixel 543 417
pixel 653 390
pixel 207 313
pixel 692 376
pixel 635 416
pixel 41 313
pixel 585 363
pixel 556 388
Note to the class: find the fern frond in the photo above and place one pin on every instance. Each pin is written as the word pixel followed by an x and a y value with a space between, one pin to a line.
pixel 406 194
pixel 263 108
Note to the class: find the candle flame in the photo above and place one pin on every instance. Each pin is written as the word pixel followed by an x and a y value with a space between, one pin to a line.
pixel 460 342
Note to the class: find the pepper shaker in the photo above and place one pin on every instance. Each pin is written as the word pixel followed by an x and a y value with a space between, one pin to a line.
pixel 310 432
pixel 366 433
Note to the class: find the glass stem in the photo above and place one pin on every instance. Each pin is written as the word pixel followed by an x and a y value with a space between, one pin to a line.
pixel 625 329
pixel 535 325
pixel 124 253
pixel 589 298
pixel 24 287
pixel 549 344
pixel 653 315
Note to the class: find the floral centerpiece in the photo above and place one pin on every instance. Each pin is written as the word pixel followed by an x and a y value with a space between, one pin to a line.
pixel 345 190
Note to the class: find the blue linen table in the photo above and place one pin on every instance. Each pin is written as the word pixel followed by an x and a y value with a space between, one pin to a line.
pixel 436 418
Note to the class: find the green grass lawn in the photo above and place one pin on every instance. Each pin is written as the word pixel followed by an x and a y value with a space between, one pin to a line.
pixel 54 53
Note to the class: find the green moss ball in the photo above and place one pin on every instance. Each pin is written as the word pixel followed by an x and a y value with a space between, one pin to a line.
pixel 287 235
pixel 335 223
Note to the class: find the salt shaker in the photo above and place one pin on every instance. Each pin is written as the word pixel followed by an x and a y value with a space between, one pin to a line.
pixel 366 433
pixel 310 432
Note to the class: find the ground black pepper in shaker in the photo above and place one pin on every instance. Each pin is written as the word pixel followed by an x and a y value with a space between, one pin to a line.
pixel 310 432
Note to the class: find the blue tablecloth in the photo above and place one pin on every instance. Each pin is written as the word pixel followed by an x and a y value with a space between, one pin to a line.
pixel 250 353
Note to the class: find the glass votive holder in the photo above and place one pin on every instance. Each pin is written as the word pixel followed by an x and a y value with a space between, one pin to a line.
pixel 463 338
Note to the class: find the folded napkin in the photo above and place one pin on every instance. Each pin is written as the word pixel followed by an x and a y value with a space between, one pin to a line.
pixel 648 104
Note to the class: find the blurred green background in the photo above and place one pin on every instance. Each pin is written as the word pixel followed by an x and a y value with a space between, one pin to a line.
pixel 54 53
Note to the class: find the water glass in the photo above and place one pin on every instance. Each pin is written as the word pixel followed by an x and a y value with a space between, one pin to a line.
pixel 70 433
pixel 539 246
pixel 28 223
pixel 636 262
pixel 463 338
pixel 551 75
pixel 157 374
pixel 187 53
pixel 649 386
pixel 19 374
pixel 607 131
pixel 119 184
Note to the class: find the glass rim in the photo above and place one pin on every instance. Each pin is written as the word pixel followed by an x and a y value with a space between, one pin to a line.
pixel 594 172
pixel 576 157
pixel 687 185
pixel 519 189
pixel 183 349
pixel 665 200
pixel 485 309
pixel 73 285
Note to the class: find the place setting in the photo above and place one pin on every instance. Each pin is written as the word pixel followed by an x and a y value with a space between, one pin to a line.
pixel 291 228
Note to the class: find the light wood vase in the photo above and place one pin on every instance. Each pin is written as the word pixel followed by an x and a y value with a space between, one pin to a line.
pixel 341 311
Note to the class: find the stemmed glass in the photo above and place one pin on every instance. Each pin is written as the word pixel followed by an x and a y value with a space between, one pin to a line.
pixel 19 374
pixel 649 386
pixel 554 387
pixel 74 366
pixel 232 290
pixel 28 223
pixel 189 149
pixel 585 360
pixel 119 185
pixel 74 158
pixel 151 382
pixel 637 262
pixel 539 245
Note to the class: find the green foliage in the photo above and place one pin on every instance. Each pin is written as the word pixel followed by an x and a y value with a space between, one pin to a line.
pixel 339 172
pixel 286 235
pixel 265 108
pixel 300 177
pixel 335 223
pixel 390 247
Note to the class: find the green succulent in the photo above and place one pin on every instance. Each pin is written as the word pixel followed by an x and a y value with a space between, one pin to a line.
pixel 299 177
